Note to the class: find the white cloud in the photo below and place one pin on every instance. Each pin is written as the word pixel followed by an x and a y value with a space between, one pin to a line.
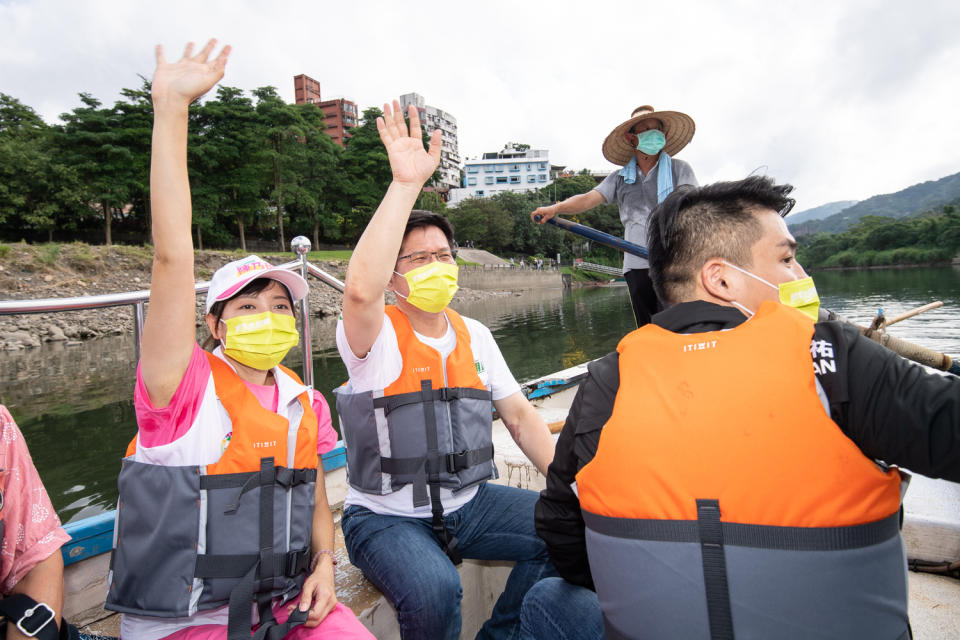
pixel 844 100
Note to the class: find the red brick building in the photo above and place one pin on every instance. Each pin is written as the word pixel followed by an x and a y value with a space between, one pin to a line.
pixel 340 114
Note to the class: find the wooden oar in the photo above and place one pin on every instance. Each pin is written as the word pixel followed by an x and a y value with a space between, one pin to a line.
pixel 907 349
pixel 882 323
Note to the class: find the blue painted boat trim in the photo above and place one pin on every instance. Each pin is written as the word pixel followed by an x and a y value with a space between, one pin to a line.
pixel 94 535
pixel 554 385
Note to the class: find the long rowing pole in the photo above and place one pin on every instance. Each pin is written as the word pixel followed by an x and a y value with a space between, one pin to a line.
pixel 907 349
pixel 598 236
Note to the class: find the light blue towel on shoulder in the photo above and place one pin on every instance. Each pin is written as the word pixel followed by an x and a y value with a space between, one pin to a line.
pixel 664 175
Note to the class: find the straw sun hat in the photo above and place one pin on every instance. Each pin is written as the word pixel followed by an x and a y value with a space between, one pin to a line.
pixel 678 128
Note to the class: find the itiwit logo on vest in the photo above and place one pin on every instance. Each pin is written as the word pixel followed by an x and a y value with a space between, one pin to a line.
pixel 266 444
pixel 700 346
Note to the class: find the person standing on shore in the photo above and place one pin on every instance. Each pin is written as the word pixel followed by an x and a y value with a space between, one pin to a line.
pixel 416 416
pixel 644 145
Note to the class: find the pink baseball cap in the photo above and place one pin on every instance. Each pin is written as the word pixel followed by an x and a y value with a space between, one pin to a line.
pixel 234 276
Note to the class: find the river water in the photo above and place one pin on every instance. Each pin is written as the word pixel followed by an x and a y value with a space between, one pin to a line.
pixel 74 403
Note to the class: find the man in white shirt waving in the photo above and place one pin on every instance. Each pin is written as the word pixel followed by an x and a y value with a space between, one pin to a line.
pixel 416 416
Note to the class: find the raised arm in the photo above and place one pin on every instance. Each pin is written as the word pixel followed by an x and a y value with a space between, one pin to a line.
pixel 169 332
pixel 375 257
pixel 569 207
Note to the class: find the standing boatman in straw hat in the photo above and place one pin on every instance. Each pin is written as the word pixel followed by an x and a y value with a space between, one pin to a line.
pixel 644 146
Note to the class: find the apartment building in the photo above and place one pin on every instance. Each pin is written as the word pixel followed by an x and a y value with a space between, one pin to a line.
pixel 340 114
pixel 514 168
pixel 435 118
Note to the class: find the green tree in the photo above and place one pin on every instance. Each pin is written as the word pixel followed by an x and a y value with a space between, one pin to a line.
pixel 485 221
pixel 284 131
pixel 92 144
pixel 321 191
pixel 228 161
pixel 367 172
pixel 36 190
pixel 134 122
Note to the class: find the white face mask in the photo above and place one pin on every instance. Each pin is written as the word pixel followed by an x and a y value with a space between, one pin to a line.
pixel 801 294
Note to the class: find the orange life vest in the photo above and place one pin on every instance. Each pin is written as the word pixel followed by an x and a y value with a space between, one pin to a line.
pixel 422 362
pixel 257 432
pixel 432 427
pixel 194 538
pixel 720 460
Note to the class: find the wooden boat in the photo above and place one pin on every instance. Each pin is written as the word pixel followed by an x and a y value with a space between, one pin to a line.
pixel 931 532
pixel 931 526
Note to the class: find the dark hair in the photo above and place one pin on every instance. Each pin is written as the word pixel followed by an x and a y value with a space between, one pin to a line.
pixel 694 224
pixel 252 288
pixel 421 219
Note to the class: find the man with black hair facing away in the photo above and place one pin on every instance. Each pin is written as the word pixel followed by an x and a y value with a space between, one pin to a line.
pixel 741 483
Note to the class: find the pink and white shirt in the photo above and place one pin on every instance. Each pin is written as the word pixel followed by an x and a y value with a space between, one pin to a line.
pixel 164 425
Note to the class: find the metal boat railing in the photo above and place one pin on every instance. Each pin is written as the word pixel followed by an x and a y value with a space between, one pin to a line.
pixel 138 300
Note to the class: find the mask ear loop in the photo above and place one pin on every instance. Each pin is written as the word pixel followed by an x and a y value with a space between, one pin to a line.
pixel 749 313
pixel 394 291
pixel 752 275
pixel 223 341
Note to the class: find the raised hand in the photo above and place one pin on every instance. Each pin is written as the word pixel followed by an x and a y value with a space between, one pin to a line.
pixel 410 162
pixel 185 80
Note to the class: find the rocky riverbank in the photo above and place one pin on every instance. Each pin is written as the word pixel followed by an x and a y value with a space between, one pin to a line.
pixel 69 270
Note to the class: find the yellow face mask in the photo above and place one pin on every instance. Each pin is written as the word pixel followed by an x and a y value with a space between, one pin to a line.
pixel 260 340
pixel 800 294
pixel 432 286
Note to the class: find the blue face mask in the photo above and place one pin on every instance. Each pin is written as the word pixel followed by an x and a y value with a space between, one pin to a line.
pixel 651 141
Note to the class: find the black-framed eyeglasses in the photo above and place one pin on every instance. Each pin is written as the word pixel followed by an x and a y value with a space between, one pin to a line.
pixel 420 258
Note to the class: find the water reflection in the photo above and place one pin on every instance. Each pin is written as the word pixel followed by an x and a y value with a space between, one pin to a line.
pixel 857 295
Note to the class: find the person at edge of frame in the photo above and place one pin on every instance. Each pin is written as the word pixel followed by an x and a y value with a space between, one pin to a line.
pixel 31 565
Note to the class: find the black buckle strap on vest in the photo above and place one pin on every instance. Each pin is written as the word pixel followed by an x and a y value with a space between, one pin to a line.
pixel 261 573
pixel 289 564
pixel 450 462
pixel 444 394
pixel 448 540
pixel 714 570
pixel 33 619
pixel 457 462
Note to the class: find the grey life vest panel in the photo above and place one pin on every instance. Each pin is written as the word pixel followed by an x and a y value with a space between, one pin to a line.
pixel 186 542
pixel 436 437
pixel 707 578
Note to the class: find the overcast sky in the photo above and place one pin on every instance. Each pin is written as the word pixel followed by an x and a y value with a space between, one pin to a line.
pixel 844 99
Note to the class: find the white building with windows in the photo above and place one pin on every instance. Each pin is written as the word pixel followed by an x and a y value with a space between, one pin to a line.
pixel 515 168
pixel 433 118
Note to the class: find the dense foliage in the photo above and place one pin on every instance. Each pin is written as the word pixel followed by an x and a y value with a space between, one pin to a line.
pixel 501 223
pixel 258 167
pixel 880 240
pixel 261 171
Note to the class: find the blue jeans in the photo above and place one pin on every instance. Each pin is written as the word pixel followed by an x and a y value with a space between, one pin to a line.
pixel 555 609
pixel 404 559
